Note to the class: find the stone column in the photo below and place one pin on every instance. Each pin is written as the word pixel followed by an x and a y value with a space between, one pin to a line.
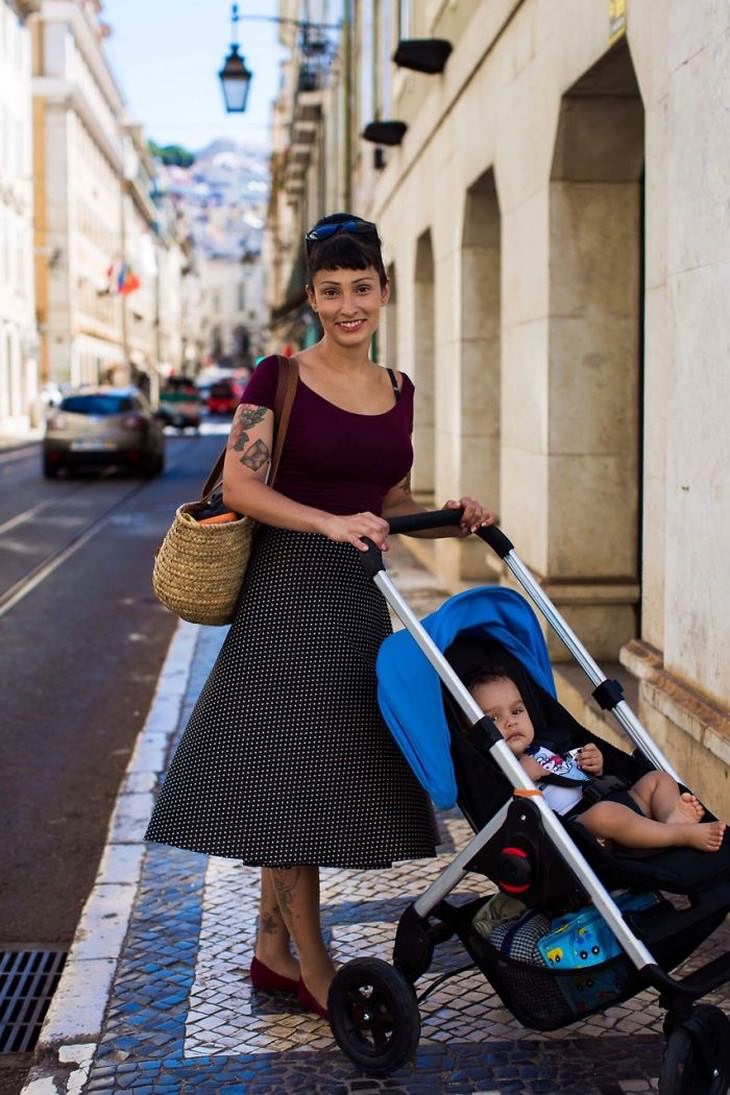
pixel 423 367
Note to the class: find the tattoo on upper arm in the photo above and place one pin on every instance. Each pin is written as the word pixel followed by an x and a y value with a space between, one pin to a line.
pixel 256 455
pixel 246 417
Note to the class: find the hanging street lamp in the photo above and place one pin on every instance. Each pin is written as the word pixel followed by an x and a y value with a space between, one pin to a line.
pixel 235 78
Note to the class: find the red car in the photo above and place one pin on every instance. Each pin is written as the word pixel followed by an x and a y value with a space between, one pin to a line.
pixel 224 397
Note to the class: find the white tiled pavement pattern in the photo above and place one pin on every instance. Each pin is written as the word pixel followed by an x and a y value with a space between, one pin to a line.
pixel 223 1017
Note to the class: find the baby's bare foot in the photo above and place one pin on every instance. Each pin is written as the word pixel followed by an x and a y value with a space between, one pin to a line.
pixel 706 837
pixel 689 808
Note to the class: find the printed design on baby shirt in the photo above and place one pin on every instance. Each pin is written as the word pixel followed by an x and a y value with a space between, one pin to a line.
pixel 555 764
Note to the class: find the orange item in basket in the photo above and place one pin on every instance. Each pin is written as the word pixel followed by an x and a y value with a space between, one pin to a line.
pixel 219 519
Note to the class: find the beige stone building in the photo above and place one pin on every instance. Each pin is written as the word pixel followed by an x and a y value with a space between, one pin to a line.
pixel 104 314
pixel 233 304
pixel 311 162
pixel 78 137
pixel 150 312
pixel 171 262
pixel 18 332
pixel 557 230
pixel 193 321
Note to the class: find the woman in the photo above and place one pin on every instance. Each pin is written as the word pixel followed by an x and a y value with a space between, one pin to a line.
pixel 286 762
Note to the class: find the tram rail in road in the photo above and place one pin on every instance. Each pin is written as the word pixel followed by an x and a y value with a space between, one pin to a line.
pixel 58 556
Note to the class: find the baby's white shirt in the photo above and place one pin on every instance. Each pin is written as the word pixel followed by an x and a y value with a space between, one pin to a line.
pixel 559 799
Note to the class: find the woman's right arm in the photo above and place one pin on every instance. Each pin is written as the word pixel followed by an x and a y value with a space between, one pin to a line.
pixel 248 455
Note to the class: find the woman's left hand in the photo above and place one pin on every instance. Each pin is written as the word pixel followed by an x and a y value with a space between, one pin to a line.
pixel 474 517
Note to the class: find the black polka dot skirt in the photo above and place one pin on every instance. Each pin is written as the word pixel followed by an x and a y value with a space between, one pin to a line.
pixel 286 758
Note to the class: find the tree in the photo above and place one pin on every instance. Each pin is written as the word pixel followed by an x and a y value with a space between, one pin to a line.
pixel 171 154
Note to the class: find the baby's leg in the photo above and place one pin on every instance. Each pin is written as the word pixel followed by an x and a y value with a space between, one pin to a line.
pixel 658 796
pixel 612 821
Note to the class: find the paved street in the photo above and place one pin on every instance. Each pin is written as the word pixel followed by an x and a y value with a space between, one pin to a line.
pixel 156 996
pixel 82 640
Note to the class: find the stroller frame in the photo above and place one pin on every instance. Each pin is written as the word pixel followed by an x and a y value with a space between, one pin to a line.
pixel 416 937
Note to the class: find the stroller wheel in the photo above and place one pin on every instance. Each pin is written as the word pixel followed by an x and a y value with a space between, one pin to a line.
pixel 374 1015
pixel 686 1070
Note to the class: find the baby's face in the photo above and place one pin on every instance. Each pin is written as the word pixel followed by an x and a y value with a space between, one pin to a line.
pixel 503 703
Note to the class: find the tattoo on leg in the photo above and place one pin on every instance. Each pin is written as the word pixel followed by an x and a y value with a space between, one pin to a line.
pixel 256 455
pixel 271 923
pixel 285 882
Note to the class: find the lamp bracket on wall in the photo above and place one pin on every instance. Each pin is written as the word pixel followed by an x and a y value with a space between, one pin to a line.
pixel 390 133
pixel 427 55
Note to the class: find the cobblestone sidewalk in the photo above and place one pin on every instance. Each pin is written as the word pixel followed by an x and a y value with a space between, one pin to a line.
pixel 156 998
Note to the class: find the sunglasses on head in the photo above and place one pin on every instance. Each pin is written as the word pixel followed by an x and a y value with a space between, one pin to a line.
pixel 356 227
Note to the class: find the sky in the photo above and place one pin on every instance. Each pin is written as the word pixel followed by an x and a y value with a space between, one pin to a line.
pixel 166 56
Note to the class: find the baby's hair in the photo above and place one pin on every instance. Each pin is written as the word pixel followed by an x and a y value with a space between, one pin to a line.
pixel 487 674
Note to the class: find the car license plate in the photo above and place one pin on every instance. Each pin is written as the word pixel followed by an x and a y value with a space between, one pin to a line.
pixel 92 444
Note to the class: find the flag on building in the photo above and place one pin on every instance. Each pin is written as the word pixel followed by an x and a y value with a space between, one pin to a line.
pixel 120 278
pixel 128 280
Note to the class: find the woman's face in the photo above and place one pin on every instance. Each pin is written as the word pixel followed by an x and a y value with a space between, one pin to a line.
pixel 348 303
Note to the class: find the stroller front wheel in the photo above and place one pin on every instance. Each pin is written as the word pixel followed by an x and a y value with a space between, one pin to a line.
pixel 374 1015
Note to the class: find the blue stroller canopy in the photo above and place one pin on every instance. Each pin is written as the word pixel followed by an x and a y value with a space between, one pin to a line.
pixel 409 688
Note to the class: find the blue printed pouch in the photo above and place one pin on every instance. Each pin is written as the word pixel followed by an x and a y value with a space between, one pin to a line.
pixel 577 941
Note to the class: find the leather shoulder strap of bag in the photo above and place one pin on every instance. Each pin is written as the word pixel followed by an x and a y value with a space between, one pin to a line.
pixel 286 389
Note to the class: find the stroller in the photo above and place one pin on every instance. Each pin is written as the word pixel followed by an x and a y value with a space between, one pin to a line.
pixel 552 865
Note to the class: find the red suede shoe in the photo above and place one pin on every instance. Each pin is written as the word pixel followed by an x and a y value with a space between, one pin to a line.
pixel 308 1001
pixel 268 981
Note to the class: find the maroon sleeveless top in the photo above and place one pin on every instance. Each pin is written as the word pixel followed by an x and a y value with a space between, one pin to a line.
pixel 336 460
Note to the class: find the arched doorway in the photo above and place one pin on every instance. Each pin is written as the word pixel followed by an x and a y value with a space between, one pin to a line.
pixel 390 322
pixel 595 354
pixel 423 342
pixel 480 356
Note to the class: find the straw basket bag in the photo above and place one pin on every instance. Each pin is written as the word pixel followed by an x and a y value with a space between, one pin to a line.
pixel 199 568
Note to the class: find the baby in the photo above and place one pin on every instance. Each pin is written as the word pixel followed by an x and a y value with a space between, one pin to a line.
pixel 657 815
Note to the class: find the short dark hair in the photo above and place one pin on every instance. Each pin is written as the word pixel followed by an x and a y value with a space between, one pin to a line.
pixel 487 674
pixel 345 250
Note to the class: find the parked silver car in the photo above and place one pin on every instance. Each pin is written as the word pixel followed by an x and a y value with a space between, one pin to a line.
pixel 101 427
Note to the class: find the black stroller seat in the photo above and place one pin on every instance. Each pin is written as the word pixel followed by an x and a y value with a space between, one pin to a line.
pixel 483 789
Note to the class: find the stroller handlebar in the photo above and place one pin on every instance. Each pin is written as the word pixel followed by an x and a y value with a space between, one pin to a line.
pixel 419 522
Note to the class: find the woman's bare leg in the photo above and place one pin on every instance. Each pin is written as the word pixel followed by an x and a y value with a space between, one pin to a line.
pixel 272 939
pixel 612 821
pixel 658 797
pixel 297 893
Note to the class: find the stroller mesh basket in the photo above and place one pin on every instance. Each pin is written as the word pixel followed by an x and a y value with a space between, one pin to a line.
pixel 544 998
pixel 547 999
